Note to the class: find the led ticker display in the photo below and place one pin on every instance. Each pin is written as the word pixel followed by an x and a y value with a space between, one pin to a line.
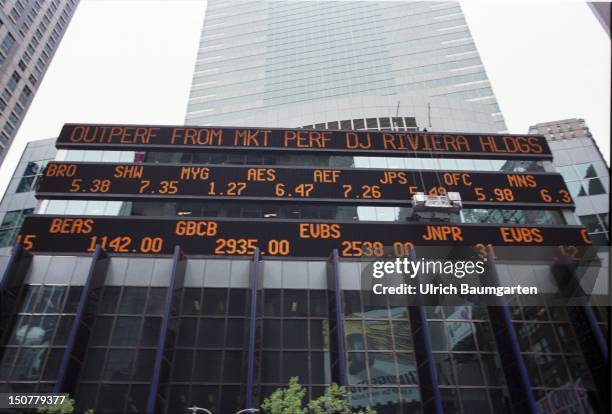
pixel 320 185
pixel 236 237
pixel 352 143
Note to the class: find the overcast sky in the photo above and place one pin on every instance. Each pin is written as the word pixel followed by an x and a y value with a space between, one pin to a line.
pixel 131 61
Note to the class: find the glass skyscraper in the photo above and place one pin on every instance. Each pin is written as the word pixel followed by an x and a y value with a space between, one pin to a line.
pixel 580 162
pixel 256 56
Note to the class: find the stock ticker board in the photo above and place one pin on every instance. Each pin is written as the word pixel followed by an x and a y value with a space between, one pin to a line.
pixel 292 238
pixel 282 238
pixel 267 140
pixel 320 185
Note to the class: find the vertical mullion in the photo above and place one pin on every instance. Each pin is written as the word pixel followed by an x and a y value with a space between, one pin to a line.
pixel 426 365
pixel 255 282
pixel 76 345
pixel 177 280
pixel 336 321
pixel 513 364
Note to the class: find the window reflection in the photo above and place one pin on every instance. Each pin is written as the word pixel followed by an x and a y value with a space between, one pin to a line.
pixel 11 225
pixel 595 187
pixel 402 335
pixel 357 367
pixel 586 170
pixel 118 365
pixel 492 369
pixel 31 175
pixel 511 216
pixel 460 336
pixel 450 400
pixel 191 301
pixel 126 331
pixel 553 370
pixel 445 369
pixel 468 369
pixel 215 302
pixel 295 303
pixel 29 364
pixel 406 369
pixel 386 399
pixel 133 300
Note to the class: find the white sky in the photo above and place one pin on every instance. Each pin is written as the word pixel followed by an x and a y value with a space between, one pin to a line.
pixel 131 61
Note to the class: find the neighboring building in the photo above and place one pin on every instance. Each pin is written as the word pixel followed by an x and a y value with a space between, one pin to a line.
pixel 578 159
pixel 30 33
pixel 601 10
pixel 323 65
pixel 19 198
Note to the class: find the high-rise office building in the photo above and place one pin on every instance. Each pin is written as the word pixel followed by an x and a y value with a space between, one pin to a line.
pixel 162 334
pixel 301 59
pixel 580 162
pixel 30 32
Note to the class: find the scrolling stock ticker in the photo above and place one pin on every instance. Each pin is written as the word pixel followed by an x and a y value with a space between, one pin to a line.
pixel 302 238
pixel 355 143
pixel 306 238
pixel 340 186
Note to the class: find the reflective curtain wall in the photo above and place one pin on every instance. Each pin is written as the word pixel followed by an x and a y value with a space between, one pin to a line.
pixel 208 343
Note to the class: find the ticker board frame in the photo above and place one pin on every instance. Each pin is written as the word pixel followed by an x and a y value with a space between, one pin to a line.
pixel 525 251
pixel 324 201
pixel 63 142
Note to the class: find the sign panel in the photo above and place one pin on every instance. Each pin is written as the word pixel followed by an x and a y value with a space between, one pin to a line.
pixel 351 143
pixel 320 185
pixel 235 237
